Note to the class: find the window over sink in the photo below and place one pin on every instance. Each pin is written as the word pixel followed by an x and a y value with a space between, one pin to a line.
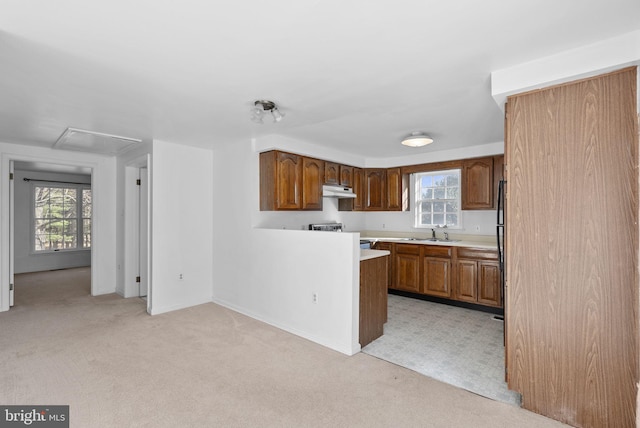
pixel 437 199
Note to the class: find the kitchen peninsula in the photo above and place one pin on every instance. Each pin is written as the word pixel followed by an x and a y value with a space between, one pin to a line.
pixel 309 284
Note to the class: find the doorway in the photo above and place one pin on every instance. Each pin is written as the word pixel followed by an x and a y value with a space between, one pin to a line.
pixel 50 224
pixel 137 271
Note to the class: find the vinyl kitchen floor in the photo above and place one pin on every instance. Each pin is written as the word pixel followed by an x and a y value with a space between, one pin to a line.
pixel 458 346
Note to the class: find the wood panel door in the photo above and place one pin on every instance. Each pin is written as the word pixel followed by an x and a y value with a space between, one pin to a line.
pixel 489 284
pixel 394 189
pixel 407 267
pixel 312 176
pixel 346 175
pixel 375 189
pixel 331 173
pixel 572 250
pixel 437 277
pixel 358 188
pixel 477 184
pixel 467 286
pixel 289 181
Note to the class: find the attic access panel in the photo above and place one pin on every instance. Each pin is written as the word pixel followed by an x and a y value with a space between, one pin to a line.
pixel 81 140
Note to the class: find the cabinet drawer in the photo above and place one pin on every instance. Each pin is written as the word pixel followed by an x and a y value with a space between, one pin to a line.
pixel 408 249
pixel 437 251
pixel 477 253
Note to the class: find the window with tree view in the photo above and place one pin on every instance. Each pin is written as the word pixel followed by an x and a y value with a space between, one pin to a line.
pixel 437 195
pixel 62 218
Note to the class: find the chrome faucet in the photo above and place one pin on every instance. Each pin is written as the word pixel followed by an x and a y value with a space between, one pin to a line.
pixel 433 233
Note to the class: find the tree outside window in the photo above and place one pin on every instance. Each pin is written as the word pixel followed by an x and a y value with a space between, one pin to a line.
pixel 62 218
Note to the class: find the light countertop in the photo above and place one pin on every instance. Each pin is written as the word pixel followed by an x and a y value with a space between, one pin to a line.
pixel 366 254
pixel 464 241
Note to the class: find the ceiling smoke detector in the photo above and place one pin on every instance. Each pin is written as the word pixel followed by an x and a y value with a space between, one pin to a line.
pixel 261 108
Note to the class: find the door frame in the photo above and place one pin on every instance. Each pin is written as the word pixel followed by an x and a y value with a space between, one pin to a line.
pixel 6 207
pixel 138 168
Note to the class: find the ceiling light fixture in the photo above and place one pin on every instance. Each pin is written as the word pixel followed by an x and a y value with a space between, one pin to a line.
pixel 262 107
pixel 417 139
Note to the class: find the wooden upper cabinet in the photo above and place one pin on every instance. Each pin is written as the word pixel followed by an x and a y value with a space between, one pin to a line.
pixel 375 189
pixel 312 176
pixel 346 175
pixel 355 204
pixel 477 184
pixel 394 189
pixel 331 173
pixel 358 189
pixel 290 182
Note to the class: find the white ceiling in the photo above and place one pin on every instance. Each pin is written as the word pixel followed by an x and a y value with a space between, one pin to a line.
pixel 351 75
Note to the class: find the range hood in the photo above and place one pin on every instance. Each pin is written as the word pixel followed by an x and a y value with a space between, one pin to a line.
pixel 337 192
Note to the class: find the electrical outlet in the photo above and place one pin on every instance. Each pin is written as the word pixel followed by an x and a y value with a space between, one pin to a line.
pixel 383 225
pixel 314 297
pixel 180 276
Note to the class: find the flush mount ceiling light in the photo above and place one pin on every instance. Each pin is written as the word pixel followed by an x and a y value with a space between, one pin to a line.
pixel 417 139
pixel 262 107
pixel 82 140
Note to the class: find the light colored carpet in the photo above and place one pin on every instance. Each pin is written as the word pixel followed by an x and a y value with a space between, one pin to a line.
pixel 208 366
pixel 458 346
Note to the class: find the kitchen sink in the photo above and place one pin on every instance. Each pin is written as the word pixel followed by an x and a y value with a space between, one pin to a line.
pixel 428 239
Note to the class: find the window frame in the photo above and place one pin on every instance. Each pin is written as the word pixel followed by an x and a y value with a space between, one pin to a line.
pixel 417 213
pixel 79 233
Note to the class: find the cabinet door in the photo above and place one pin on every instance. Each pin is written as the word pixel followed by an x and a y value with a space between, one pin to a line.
pixel 288 181
pixel 467 289
pixel 375 189
pixel 437 276
pixel 489 292
pixel 312 175
pixel 331 173
pixel 407 267
pixel 394 189
pixel 358 188
pixel 346 175
pixel 477 184
pixel 388 246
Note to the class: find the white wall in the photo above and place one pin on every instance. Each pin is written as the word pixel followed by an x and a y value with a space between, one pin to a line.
pixel 269 274
pixel 585 61
pixel 25 260
pixel 182 203
pixel 103 253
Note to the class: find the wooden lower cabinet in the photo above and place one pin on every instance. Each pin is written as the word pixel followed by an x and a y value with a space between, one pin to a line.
pixel 437 277
pixel 407 267
pixel 373 299
pixel 489 292
pixel 478 277
pixel 463 274
pixel 467 289
pixel 388 246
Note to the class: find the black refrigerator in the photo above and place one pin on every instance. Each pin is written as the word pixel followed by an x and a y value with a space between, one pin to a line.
pixel 500 232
